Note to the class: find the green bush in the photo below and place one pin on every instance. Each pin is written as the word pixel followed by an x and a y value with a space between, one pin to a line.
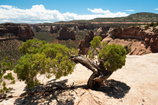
pixel 43 58
pixel 113 56
pixel 5 65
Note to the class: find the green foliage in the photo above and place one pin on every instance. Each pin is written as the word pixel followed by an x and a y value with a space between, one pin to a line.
pixel 43 58
pixel 13 82
pixel 91 54
pixel 113 56
pixel 127 49
pixel 151 24
pixel 5 65
pixel 96 41
pixel 31 46
pixel 9 76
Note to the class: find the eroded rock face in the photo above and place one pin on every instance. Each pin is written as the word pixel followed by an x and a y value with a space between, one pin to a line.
pixel 20 31
pixel 37 28
pixel 88 38
pixel 126 33
pixel 53 29
pixel 25 32
pixel 102 31
pixel 65 33
pixel 140 41
pixel 83 26
pixel 82 47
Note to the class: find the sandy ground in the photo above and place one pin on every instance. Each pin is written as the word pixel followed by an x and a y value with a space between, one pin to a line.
pixel 134 84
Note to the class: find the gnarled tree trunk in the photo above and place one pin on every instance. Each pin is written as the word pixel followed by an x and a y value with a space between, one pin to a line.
pixel 99 73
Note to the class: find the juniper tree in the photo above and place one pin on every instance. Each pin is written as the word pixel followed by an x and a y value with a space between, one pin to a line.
pixel 58 60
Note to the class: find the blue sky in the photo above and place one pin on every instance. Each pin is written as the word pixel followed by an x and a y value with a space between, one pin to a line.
pixel 35 11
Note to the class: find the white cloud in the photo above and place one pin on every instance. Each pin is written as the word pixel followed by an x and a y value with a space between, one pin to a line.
pixel 107 13
pixel 38 14
pixel 130 10
pixel 99 10
pixel 156 9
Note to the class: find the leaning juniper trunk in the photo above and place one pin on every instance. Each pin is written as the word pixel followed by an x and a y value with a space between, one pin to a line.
pixel 99 73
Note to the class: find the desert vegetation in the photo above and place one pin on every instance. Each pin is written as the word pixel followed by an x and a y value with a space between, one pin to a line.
pixel 50 59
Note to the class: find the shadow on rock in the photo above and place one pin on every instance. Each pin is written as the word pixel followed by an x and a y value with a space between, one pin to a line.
pixel 51 93
pixel 56 93
pixel 114 88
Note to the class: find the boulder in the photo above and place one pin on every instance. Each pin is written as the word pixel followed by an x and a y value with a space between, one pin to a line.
pixel 65 33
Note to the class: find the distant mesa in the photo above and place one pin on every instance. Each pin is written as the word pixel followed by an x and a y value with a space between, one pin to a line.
pixel 102 31
pixel 54 29
pixel 65 34
pixel 16 31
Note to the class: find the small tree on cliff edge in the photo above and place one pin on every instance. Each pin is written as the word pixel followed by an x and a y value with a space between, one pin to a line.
pixel 43 58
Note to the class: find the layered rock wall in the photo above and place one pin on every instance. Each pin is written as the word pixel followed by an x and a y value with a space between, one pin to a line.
pixel 142 41
pixel 65 33
pixel 20 31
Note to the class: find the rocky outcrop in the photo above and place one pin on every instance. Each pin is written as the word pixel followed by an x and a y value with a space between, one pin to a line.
pixel 89 38
pixel 20 31
pixel 37 28
pixel 25 32
pixel 53 29
pixel 65 33
pixel 139 40
pixel 82 47
pixel 126 33
pixel 86 26
pixel 102 31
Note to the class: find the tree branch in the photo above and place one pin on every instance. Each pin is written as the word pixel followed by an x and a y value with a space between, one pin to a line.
pixel 85 62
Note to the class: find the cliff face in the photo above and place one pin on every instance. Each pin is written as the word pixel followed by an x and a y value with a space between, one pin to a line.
pixel 19 31
pixel 65 33
pixel 102 31
pixel 139 40
pixel 53 29
pixel 126 33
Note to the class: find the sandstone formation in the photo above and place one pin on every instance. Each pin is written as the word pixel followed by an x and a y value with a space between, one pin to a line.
pixel 126 33
pixel 102 31
pixel 137 40
pixel 20 31
pixel 87 26
pixel 53 29
pixel 84 44
pixel 140 41
pixel 37 28
pixel 82 47
pixel 65 33
pixel 89 38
